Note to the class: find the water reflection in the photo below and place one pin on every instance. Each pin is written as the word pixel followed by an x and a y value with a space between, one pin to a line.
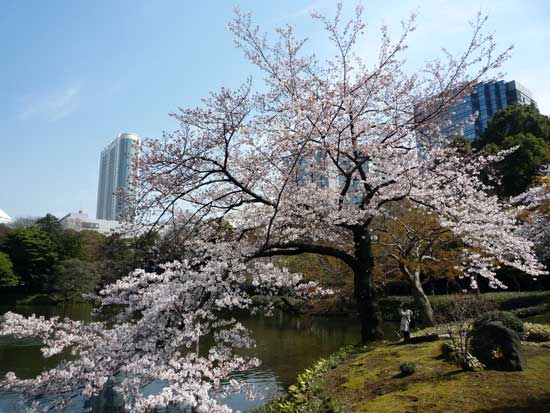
pixel 286 345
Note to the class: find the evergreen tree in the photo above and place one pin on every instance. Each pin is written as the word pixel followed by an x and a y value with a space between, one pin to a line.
pixel 525 127
pixel 33 254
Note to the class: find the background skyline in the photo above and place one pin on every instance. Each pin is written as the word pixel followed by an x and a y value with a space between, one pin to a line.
pixel 74 75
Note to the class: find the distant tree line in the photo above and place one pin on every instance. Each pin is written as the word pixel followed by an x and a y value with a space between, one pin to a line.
pixel 40 256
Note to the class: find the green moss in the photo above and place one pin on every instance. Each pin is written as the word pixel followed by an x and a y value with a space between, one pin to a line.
pixel 357 380
pixel 369 383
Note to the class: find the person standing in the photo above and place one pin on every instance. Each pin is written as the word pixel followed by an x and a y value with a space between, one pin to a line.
pixel 406 317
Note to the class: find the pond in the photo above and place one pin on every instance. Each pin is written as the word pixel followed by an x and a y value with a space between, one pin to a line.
pixel 286 345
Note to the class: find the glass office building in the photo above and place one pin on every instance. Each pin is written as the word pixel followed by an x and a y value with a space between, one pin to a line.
pixel 116 169
pixel 486 99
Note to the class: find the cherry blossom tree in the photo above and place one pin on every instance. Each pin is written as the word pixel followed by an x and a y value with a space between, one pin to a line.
pixel 307 163
pixel 486 225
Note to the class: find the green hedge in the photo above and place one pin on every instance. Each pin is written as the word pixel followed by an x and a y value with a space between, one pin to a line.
pixel 522 304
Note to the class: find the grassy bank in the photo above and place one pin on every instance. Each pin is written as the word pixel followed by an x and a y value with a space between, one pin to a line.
pixel 368 380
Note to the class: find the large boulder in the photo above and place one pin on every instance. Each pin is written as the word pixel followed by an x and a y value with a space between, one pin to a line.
pixel 498 347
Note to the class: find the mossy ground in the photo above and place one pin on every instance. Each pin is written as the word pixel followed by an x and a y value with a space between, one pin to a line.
pixel 370 382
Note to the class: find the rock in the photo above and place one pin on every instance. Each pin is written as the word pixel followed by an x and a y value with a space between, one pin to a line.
pixel 498 347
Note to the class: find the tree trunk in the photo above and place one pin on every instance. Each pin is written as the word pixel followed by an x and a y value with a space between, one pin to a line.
pixel 365 294
pixel 420 298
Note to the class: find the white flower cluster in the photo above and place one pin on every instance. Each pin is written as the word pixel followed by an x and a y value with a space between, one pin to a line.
pixel 536 226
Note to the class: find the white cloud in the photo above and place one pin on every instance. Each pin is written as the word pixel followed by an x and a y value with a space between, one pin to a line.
pixel 52 105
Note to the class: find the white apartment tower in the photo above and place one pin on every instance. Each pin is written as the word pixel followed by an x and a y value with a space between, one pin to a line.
pixel 116 173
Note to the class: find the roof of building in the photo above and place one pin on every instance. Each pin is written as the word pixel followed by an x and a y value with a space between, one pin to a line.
pixel 129 135
pixel 4 218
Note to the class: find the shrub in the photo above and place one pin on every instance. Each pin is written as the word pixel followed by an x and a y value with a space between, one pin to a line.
pixel 466 361
pixel 407 368
pixel 508 319
pixel 307 394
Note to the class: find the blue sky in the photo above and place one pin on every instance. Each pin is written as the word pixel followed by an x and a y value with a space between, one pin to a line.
pixel 73 74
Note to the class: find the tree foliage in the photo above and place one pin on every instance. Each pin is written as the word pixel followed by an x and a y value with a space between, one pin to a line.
pixel 413 245
pixel 92 245
pixel 49 224
pixel 513 120
pixel 37 247
pixel 73 278
pixel 33 254
pixel 7 275
pixel 520 126
pixel 413 237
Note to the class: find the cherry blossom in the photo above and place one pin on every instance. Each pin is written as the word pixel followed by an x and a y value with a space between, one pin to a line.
pixel 536 225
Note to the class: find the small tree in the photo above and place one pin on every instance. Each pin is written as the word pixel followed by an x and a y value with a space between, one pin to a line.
pixel 464 309
pixel 412 242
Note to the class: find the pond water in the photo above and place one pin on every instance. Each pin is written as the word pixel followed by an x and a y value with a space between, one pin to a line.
pixel 285 344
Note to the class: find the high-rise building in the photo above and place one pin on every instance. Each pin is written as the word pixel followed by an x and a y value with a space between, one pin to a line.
pixel 486 99
pixel 116 172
